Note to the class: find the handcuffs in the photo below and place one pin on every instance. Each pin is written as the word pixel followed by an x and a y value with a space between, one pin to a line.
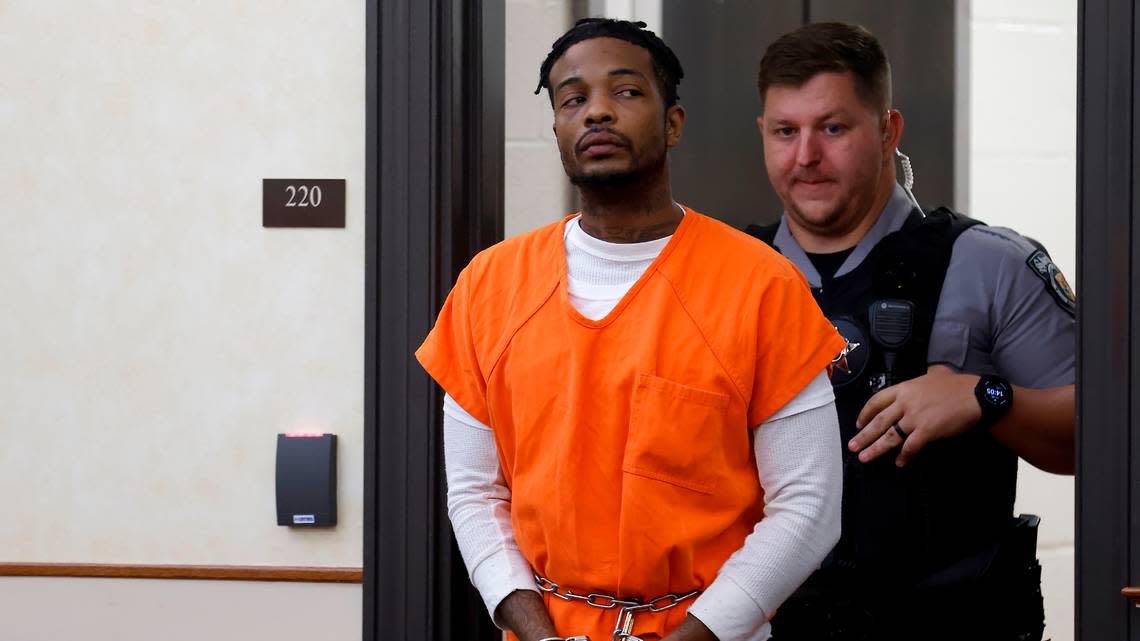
pixel 623 631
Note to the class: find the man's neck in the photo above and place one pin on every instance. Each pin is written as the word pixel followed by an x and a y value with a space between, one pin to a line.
pixel 630 213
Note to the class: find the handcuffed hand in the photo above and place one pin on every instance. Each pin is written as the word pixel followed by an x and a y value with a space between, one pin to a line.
pixel 691 629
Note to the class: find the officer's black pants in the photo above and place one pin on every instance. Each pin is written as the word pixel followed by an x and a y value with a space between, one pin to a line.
pixel 1009 609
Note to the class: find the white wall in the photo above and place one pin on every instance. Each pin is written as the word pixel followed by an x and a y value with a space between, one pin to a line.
pixel 1022 161
pixel 155 337
pixel 647 11
pixel 536 189
pixel 1023 107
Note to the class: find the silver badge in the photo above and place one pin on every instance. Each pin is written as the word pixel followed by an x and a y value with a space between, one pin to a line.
pixel 852 360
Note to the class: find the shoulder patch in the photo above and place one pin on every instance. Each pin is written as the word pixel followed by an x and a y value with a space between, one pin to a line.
pixel 1054 280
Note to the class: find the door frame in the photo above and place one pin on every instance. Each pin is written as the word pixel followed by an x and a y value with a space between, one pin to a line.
pixel 1107 319
pixel 434 196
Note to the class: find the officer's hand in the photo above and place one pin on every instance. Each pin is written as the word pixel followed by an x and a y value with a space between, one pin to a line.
pixel 936 405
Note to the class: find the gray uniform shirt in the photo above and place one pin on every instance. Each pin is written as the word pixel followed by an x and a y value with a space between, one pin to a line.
pixel 1003 307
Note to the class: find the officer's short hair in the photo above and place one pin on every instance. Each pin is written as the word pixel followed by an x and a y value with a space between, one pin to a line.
pixel 823 47
pixel 666 66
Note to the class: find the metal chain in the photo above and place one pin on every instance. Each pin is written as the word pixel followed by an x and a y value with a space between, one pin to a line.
pixel 601 601
pixel 622 632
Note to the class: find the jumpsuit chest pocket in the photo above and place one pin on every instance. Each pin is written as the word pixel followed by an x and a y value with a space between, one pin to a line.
pixel 676 434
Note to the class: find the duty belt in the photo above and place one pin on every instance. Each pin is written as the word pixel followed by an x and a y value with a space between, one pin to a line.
pixel 623 630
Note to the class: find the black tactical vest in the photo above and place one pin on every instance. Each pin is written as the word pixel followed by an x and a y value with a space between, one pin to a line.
pixel 937 520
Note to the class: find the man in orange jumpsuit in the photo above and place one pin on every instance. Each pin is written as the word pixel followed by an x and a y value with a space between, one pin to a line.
pixel 640 437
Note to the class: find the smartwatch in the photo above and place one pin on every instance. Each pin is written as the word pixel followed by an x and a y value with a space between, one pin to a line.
pixel 995 397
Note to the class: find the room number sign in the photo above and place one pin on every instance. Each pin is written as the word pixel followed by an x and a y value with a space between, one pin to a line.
pixel 302 202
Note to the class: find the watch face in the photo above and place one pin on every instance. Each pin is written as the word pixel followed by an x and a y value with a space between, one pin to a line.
pixel 997 393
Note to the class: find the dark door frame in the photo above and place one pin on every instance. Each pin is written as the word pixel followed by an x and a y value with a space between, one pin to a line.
pixel 434 163
pixel 1108 317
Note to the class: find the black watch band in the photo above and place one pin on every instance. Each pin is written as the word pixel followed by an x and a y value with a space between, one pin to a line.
pixel 995 396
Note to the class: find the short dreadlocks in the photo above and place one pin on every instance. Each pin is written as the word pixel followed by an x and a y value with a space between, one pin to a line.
pixel 665 64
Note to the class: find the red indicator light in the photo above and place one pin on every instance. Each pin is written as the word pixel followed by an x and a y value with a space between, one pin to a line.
pixel 304 434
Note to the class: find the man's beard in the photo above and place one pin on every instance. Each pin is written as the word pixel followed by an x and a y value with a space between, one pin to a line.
pixel 837 220
pixel 620 178
pixel 606 180
pixel 819 223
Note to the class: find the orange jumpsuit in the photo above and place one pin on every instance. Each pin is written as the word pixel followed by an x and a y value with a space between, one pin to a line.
pixel 626 441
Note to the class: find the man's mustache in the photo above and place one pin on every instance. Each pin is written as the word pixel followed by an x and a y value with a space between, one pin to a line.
pixel 595 132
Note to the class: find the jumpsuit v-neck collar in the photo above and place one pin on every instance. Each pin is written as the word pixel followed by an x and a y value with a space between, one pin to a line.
pixel 679 234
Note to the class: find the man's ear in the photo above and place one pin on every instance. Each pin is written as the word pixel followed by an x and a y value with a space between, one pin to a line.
pixel 892 131
pixel 674 125
pixel 760 125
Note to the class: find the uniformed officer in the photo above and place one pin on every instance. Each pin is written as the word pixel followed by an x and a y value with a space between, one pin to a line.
pixel 959 360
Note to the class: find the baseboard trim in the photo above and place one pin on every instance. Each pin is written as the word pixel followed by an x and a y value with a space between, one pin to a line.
pixel 202 572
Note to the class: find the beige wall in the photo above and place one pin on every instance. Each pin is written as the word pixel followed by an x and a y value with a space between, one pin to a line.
pixel 1022 163
pixel 537 191
pixel 155 337
pixel 53 609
